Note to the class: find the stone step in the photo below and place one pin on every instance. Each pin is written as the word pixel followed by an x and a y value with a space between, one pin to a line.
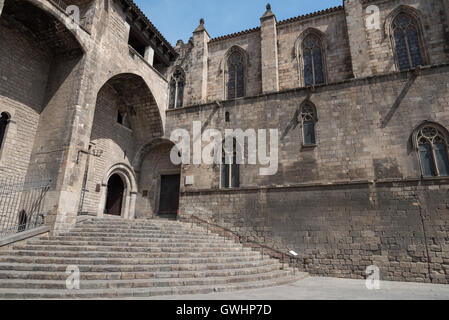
pixel 58 275
pixel 144 249
pixel 138 231
pixel 129 255
pixel 30 267
pixel 164 236
pixel 122 261
pixel 123 228
pixel 142 293
pixel 137 239
pixel 140 258
pixel 173 244
pixel 141 283
pixel 141 224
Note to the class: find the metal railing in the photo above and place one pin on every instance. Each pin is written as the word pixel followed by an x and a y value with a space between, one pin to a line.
pixel 284 256
pixel 21 204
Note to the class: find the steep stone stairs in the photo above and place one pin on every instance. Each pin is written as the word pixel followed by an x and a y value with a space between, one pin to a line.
pixel 140 258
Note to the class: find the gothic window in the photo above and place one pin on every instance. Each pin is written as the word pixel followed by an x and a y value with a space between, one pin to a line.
pixel 407 42
pixel 313 60
pixel 177 84
pixel 309 119
pixel 230 173
pixel 236 78
pixel 4 120
pixel 433 151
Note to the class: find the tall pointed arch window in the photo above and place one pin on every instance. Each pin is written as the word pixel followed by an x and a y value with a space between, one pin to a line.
pixel 177 83
pixel 432 146
pixel 313 59
pixel 230 172
pixel 4 121
pixel 407 42
pixel 235 75
pixel 309 119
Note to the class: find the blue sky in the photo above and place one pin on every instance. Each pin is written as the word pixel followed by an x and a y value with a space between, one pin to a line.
pixel 176 19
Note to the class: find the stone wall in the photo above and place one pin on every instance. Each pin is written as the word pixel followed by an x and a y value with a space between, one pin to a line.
pixel 340 230
pixel 363 135
pixel 22 91
pixel 363 130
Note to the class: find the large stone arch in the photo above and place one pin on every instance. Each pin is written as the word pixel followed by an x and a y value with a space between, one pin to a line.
pixel 134 90
pixel 129 95
pixel 64 22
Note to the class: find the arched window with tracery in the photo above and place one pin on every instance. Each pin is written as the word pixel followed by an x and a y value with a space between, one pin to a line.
pixel 432 146
pixel 309 119
pixel 230 172
pixel 407 42
pixel 4 121
pixel 313 59
pixel 235 75
pixel 177 84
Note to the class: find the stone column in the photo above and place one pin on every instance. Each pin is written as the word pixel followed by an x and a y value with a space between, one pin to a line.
pixel 357 38
pixel 198 72
pixel 125 206
pixel 102 202
pixel 269 52
pixel 132 206
pixel 149 55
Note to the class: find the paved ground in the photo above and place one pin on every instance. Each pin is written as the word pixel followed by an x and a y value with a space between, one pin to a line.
pixel 332 289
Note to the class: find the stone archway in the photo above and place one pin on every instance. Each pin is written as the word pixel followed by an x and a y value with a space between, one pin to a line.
pixel 118 193
pixel 159 180
pixel 126 118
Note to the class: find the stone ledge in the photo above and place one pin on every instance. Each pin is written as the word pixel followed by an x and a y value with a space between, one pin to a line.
pixel 17 237
pixel 394 75
pixel 279 187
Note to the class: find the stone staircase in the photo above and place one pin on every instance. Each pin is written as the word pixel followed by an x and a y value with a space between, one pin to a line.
pixel 140 258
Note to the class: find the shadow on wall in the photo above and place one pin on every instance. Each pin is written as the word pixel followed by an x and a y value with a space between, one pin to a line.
pixel 36 39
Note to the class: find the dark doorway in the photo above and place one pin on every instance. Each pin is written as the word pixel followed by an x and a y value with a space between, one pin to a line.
pixel 169 199
pixel 114 200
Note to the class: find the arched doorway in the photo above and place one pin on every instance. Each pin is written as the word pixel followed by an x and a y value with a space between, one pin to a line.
pixel 159 180
pixel 114 200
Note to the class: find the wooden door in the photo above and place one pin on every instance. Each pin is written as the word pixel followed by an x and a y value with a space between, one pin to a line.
pixel 169 197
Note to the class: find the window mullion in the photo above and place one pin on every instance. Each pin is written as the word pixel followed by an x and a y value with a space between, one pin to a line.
pixel 313 67
pixel 409 55
pixel 434 159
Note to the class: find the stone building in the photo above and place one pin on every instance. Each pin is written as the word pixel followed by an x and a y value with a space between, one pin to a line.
pixel 358 93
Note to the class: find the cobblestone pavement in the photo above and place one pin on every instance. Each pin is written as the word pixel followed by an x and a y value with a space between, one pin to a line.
pixel 314 288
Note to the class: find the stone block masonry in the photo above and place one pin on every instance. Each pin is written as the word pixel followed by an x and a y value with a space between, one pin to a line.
pixel 87 104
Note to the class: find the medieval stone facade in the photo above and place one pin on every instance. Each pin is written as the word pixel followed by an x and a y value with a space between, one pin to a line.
pixel 358 93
